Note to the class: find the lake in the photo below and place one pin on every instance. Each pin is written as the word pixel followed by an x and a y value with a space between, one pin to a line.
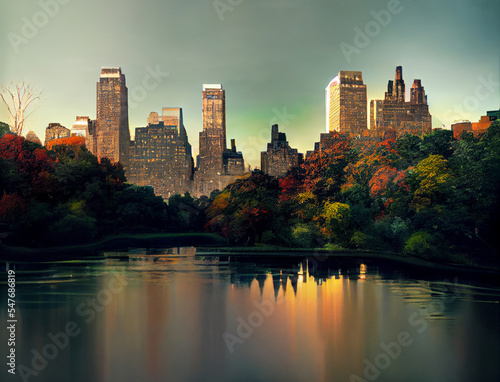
pixel 178 315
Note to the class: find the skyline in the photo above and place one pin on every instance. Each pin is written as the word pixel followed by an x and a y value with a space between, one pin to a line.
pixel 274 58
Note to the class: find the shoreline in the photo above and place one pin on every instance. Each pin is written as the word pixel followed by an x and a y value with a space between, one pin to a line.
pixel 214 245
pixel 117 242
pixel 348 254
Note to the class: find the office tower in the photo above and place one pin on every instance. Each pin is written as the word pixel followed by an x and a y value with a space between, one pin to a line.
pixel 346 103
pixel 396 89
pixel 405 117
pixel 213 137
pixel 81 127
pixel 217 166
pixel 112 130
pixel 279 157
pixel 417 93
pixel 160 155
pixel 375 114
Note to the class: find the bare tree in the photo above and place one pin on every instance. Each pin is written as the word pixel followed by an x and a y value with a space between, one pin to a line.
pixel 19 97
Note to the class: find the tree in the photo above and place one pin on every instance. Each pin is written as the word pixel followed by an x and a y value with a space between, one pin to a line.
pixel 70 141
pixel 20 99
pixel 245 209
pixel 4 129
pixel 334 220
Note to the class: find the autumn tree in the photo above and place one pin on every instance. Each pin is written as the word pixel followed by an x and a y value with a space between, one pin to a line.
pixel 429 178
pixel 74 141
pixel 245 209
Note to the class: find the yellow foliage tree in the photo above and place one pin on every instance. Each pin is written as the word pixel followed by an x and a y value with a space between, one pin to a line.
pixel 431 174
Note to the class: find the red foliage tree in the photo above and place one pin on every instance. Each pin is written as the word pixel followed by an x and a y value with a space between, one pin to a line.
pixel 12 206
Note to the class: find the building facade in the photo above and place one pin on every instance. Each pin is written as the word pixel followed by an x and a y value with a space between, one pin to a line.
pixel 112 135
pixel 459 127
pixel 81 127
pixel 403 117
pixel 375 114
pixel 279 157
pixel 160 155
pixel 217 166
pixel 346 103
pixel 56 131
pixel 213 137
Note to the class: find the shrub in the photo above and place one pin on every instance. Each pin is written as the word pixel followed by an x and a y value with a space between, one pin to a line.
pixel 303 236
pixel 359 240
pixel 420 244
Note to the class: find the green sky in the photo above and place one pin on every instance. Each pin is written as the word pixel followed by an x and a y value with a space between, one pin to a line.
pixel 273 57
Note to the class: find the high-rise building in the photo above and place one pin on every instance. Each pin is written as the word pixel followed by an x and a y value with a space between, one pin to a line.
pixel 213 137
pixel 81 127
pixel 217 166
pixel 279 157
pixel 346 103
pixel 375 114
pixel 112 130
pixel 160 155
pixel 405 117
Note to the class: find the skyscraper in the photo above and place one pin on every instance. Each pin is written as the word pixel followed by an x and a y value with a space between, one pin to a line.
pixel 213 137
pixel 405 117
pixel 160 156
pixel 217 166
pixel 346 103
pixel 112 130
pixel 279 156
pixel 375 114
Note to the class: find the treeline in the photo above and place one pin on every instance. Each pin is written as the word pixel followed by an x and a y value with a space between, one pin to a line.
pixel 433 197
pixel 65 196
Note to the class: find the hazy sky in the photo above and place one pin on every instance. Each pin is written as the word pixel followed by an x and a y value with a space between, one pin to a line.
pixel 273 57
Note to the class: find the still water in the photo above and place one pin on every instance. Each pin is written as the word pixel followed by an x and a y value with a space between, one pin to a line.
pixel 177 315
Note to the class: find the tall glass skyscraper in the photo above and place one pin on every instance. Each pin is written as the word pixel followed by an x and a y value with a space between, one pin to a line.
pixel 346 103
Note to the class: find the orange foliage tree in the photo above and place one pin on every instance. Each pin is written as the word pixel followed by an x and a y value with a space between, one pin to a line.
pixel 70 141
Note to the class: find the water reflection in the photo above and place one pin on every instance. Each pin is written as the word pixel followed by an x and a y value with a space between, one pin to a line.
pixel 188 317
